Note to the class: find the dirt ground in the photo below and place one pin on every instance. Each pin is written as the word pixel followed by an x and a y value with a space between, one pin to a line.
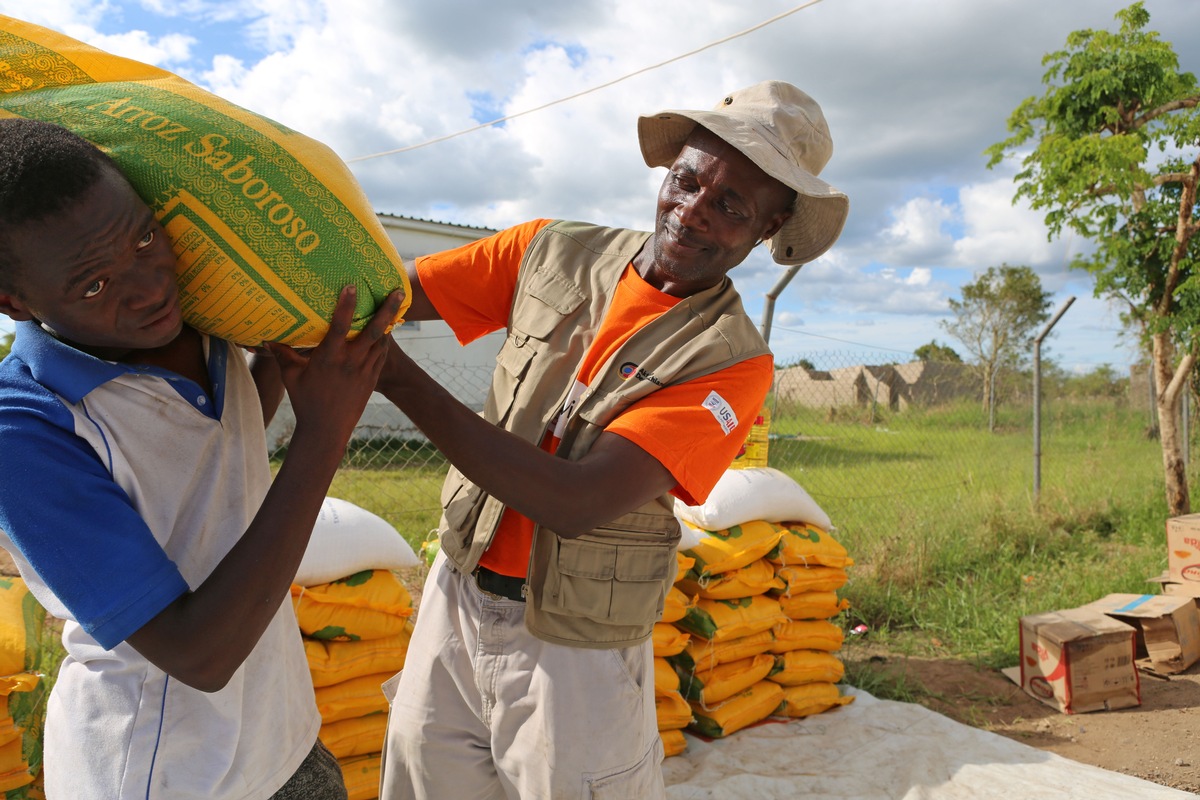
pixel 1156 741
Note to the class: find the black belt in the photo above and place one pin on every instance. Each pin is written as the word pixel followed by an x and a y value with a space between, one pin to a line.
pixel 503 585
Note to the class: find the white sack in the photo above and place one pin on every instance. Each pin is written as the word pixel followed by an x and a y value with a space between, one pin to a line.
pixel 758 493
pixel 347 539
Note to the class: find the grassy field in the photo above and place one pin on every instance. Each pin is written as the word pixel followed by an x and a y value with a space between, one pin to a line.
pixel 937 511
pixel 940 515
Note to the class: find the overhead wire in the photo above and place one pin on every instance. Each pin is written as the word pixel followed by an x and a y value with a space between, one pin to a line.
pixel 597 88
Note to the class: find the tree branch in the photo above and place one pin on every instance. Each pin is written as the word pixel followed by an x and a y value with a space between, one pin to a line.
pixel 1171 177
pixel 1180 378
pixel 1187 199
pixel 1167 108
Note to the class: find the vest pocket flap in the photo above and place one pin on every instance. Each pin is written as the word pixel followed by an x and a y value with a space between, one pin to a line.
pixel 643 564
pixel 587 560
pixel 560 296
pixel 515 355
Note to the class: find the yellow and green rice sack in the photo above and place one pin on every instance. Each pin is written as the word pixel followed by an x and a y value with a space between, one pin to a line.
pixel 755 578
pixel 810 698
pixel 361 774
pixel 22 621
pixel 267 224
pixel 671 710
pixel 725 680
pixel 719 620
pixel 808 545
pixel 666 679
pixel 356 697
pixel 748 707
pixel 807 634
pixel 800 579
pixel 813 605
pixel 732 548
pixel 332 662
pixel 355 737
pixel 675 605
pixel 673 741
pixel 682 565
pixel 24 657
pixel 796 667
pixel 372 604
pixel 667 640
pixel 706 654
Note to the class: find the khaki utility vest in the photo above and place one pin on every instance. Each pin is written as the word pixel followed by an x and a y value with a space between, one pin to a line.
pixel 605 588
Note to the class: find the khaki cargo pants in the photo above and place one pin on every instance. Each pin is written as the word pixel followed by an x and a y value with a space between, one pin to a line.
pixel 483 710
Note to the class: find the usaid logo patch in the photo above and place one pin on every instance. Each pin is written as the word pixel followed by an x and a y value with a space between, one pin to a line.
pixel 722 411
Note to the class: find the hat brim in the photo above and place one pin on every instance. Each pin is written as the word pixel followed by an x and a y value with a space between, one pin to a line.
pixel 820 211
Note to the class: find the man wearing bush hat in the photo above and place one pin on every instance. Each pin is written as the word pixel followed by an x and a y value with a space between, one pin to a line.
pixel 629 378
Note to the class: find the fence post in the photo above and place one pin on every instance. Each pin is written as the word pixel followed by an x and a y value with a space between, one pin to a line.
pixel 1037 399
pixel 769 303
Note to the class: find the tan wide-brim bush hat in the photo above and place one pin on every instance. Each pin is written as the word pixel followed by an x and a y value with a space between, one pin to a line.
pixel 782 130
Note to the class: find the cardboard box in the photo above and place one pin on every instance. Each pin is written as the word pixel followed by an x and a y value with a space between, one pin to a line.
pixel 1167 586
pixel 1168 627
pixel 1183 549
pixel 1079 660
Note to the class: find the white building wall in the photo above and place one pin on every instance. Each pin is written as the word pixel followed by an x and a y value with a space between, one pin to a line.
pixel 462 370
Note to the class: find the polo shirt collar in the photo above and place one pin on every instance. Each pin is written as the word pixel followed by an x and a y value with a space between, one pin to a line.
pixel 72 374
pixel 61 368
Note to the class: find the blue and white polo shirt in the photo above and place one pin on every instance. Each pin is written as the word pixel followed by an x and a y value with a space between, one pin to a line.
pixel 121 487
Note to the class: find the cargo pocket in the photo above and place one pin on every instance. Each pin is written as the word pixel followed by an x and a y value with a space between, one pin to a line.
pixel 644 780
pixel 513 360
pixel 582 584
pixel 642 580
pixel 621 584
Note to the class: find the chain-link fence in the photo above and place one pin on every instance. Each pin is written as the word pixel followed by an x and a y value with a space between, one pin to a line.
pixel 878 444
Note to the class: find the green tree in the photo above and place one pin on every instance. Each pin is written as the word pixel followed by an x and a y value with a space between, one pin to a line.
pixel 996 321
pixel 1102 381
pixel 1115 159
pixel 937 352
pixel 5 345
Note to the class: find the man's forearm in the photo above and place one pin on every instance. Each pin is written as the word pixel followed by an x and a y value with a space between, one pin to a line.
pixel 569 497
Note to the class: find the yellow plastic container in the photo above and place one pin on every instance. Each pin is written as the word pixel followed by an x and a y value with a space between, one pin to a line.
pixel 754 451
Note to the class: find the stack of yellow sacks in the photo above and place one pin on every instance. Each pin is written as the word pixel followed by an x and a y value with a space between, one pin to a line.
pixel 355 616
pixel 759 597
pixel 356 631
pixel 22 694
pixel 674 713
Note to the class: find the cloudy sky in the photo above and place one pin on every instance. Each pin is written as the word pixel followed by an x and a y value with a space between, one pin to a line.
pixel 914 92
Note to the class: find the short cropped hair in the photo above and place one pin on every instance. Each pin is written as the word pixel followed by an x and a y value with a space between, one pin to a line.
pixel 43 169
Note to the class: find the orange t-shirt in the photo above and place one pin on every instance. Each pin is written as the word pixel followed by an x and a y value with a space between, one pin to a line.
pixel 472 288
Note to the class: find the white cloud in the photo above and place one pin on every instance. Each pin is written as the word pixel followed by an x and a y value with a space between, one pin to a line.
pixel 914 93
pixel 165 51
pixel 918 232
pixel 996 231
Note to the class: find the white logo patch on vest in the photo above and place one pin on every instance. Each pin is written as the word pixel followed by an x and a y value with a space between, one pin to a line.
pixel 722 411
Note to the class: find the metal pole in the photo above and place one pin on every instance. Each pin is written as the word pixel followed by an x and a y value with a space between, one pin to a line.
pixel 1037 420
pixel 769 304
pixel 992 399
pixel 1037 398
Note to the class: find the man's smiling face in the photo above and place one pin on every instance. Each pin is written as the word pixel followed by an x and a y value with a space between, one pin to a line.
pixel 714 206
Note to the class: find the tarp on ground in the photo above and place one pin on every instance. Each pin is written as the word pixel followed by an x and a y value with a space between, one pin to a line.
pixel 875 748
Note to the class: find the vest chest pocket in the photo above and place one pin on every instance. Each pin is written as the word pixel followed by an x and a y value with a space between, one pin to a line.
pixel 513 360
pixel 614 583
